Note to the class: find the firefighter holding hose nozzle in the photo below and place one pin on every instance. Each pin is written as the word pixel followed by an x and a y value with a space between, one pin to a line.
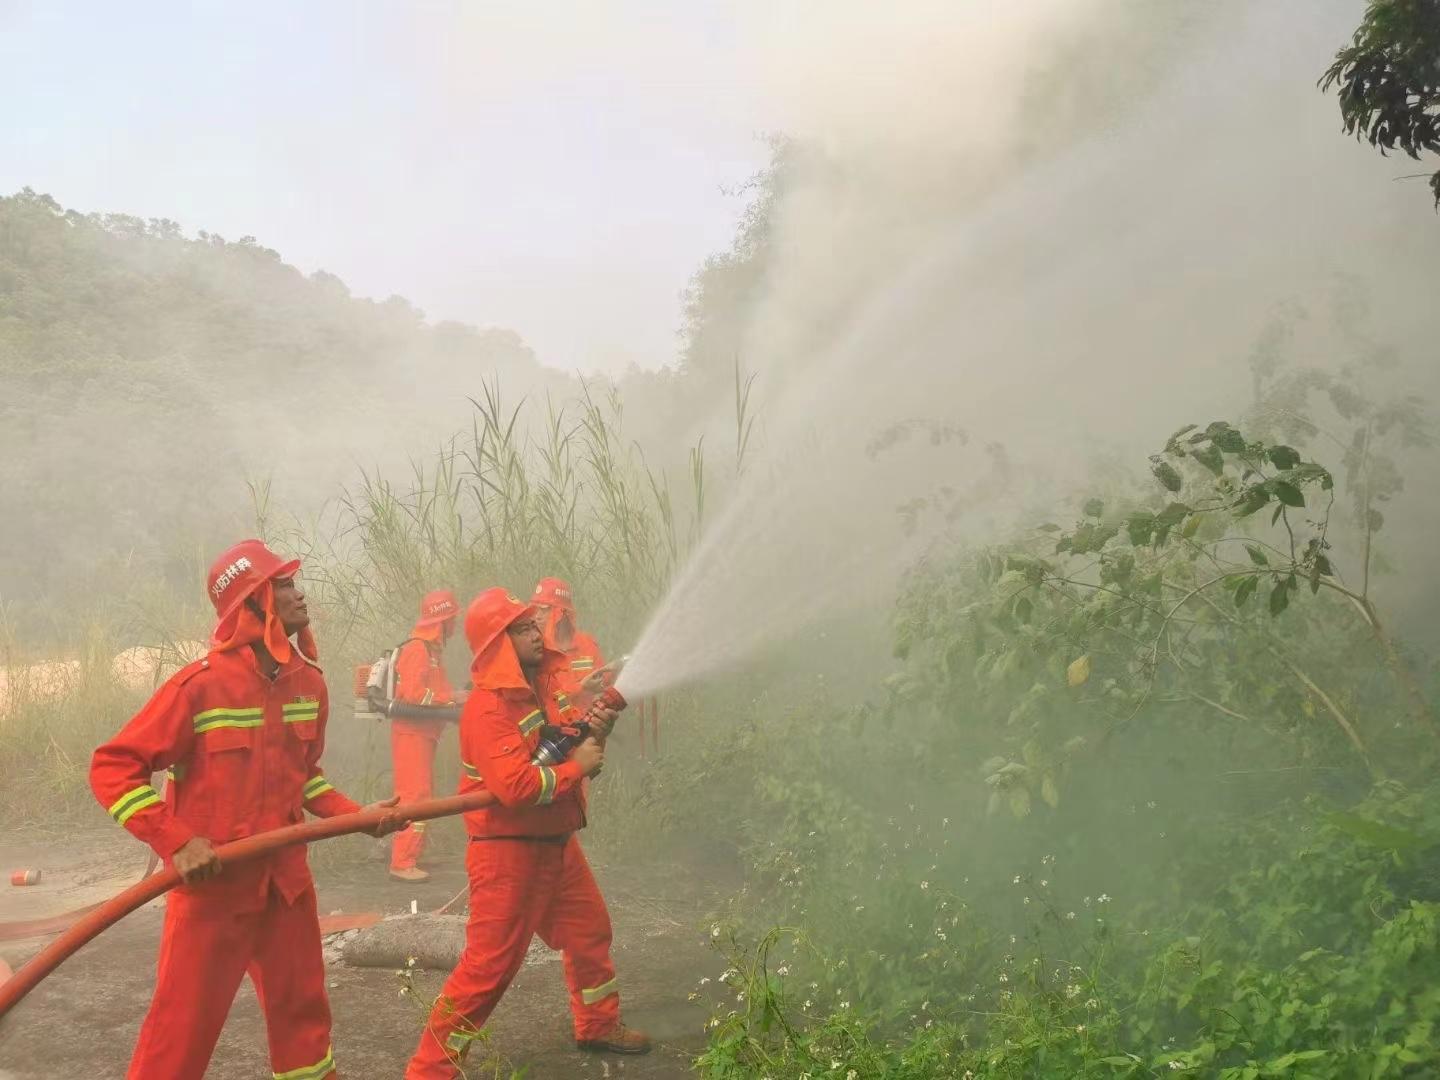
pixel 420 681
pixel 555 607
pixel 242 731
pixel 528 874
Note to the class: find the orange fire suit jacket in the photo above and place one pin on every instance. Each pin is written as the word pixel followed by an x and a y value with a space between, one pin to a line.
pixel 585 656
pixel 420 680
pixel 499 730
pixel 244 755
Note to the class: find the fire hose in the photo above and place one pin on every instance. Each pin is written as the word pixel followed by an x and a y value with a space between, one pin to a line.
pixel 105 915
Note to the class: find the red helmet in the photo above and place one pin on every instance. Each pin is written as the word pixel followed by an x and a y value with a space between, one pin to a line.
pixel 240 571
pixel 553 592
pixel 488 616
pixel 438 607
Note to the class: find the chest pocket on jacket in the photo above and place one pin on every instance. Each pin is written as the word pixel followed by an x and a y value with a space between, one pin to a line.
pixel 225 740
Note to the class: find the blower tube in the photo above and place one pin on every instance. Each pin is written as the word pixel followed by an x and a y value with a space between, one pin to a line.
pixel 238 851
pixel 404 710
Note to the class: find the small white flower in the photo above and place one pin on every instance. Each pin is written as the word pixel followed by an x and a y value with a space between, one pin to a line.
pixel 940 934
pixel 740 996
pixel 944 822
pixel 924 884
pixel 1027 900
pixel 844 1004
pixel 1087 901
pixel 1069 915
pixel 715 931
pixel 1092 1004
pixel 1104 898
pixel 705 980
pixel 859 908
pixel 1004 978
pixel 835 1063
pixel 783 969
pixel 1072 991
pixel 1013 939
pixel 1015 880
pixel 852 1075
pixel 1150 805
pixel 807 1004
pixel 1079 1029
pixel 1176 1066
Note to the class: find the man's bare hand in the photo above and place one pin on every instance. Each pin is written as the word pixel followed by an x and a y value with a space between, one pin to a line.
pixel 390 822
pixel 602 719
pixel 596 682
pixel 590 756
pixel 196 860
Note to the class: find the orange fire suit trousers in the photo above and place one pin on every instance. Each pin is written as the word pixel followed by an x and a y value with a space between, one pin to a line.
pixel 203 956
pixel 412 755
pixel 520 888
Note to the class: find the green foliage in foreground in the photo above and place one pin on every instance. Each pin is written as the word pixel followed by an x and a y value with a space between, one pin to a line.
pixel 1316 958
pixel 1151 795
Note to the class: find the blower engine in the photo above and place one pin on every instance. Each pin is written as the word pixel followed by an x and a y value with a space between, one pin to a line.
pixel 375 695
pixel 556 741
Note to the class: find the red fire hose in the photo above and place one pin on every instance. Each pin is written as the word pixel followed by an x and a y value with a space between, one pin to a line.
pixel 252 847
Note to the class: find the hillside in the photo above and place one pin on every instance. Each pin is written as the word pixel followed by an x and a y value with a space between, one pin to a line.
pixel 148 375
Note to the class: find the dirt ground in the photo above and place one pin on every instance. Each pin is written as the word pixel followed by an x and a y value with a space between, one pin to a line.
pixel 82 1021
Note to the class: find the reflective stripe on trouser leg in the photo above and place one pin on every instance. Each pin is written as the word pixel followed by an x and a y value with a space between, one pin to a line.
pixel 577 923
pixel 510 885
pixel 288 970
pixel 202 960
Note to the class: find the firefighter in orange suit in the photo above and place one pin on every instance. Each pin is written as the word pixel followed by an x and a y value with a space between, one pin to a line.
pixel 420 680
pixel 527 872
pixel 555 604
pixel 241 732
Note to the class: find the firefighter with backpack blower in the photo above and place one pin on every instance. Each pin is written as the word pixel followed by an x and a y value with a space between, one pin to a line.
pixel 420 683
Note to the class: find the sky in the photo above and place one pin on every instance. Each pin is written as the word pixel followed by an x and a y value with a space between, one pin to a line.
pixel 558 169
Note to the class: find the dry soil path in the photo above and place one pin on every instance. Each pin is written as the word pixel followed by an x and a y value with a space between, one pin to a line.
pixel 82 1021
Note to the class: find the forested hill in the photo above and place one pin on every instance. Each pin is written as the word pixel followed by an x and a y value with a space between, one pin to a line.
pixel 147 375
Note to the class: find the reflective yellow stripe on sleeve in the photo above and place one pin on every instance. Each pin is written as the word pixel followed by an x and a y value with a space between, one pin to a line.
pixel 531 722
pixel 129 804
pixel 547 785
pixel 317 786
pixel 470 770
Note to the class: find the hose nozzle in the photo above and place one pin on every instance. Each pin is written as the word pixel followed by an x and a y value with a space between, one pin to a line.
pixel 612 699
